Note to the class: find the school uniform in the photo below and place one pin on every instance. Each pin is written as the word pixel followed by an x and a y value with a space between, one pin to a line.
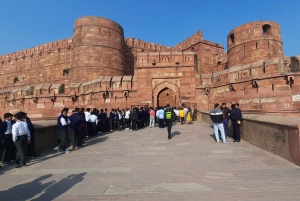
pixel 6 140
pixel 133 116
pixel 31 146
pixel 77 124
pixel 20 135
pixel 101 118
pixel 93 121
pixel 74 136
pixel 112 118
pixel 62 126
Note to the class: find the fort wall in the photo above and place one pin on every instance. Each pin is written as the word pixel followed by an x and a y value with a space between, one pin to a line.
pixel 41 64
pixel 99 68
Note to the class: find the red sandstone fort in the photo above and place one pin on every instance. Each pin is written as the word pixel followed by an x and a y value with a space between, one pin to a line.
pixel 100 68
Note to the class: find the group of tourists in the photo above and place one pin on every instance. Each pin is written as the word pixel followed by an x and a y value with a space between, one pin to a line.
pixel 220 118
pixel 89 122
pixel 16 135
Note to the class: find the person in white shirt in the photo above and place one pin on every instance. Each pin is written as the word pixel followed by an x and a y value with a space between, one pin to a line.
pixel 127 119
pixel 20 135
pixel 185 112
pixel 92 123
pixel 87 113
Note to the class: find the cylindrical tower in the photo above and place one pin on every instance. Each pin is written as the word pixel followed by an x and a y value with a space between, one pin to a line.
pixel 254 41
pixel 98 49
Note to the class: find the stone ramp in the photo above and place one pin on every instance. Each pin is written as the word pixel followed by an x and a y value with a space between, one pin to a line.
pixel 145 165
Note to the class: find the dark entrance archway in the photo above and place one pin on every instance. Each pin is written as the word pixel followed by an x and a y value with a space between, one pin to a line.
pixel 166 96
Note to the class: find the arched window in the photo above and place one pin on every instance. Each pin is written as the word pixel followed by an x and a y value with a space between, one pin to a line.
pixel 266 29
pixel 231 37
pixel 165 60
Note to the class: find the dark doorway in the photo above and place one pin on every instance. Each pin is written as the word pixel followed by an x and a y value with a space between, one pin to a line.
pixel 166 96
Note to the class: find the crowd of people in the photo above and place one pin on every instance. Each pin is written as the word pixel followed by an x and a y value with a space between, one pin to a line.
pixel 220 118
pixel 89 122
pixel 17 134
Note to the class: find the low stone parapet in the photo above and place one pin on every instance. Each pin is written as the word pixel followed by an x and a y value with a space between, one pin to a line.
pixel 276 134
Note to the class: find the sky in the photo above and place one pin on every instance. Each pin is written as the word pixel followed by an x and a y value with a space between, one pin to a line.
pixel 25 24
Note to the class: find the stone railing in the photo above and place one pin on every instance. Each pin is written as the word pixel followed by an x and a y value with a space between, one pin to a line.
pixel 275 134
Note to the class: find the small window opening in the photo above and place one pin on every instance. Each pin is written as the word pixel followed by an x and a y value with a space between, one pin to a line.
pixel 256 46
pixel 219 63
pixel 264 68
pixel 66 72
pixel 266 29
pixel 167 94
pixel 154 62
pixel 177 63
pixel 16 79
pixel 142 50
pixel 250 71
pixel 272 87
pixel 231 38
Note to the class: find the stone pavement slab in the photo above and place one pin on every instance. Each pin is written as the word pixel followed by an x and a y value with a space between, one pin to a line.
pixel 145 165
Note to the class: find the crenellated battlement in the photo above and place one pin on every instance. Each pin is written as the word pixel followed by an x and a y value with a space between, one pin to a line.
pixel 137 43
pixel 38 50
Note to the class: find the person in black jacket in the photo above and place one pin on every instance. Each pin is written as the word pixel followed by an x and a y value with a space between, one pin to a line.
pixel 74 138
pixel 168 120
pixel 236 117
pixel 216 116
pixel 6 138
pixel 133 116
pixel 226 116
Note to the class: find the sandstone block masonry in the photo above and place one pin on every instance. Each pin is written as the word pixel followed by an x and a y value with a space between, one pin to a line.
pixel 98 67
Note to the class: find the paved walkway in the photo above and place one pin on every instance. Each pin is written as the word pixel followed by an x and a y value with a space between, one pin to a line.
pixel 145 165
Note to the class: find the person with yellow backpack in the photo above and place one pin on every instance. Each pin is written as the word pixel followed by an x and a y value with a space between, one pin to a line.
pixel 168 119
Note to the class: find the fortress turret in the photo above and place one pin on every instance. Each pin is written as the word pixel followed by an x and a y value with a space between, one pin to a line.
pixel 98 49
pixel 254 41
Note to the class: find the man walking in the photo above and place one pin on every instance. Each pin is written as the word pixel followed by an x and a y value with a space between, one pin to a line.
pixel 168 120
pixel 216 116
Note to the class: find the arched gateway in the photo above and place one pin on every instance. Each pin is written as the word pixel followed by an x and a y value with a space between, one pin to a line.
pixel 166 93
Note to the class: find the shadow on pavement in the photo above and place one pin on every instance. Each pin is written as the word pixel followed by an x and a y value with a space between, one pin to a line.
pixel 39 190
pixel 175 133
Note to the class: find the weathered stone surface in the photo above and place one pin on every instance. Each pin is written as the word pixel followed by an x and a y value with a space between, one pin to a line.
pixel 99 68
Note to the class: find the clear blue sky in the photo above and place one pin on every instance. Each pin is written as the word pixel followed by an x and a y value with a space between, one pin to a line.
pixel 29 23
